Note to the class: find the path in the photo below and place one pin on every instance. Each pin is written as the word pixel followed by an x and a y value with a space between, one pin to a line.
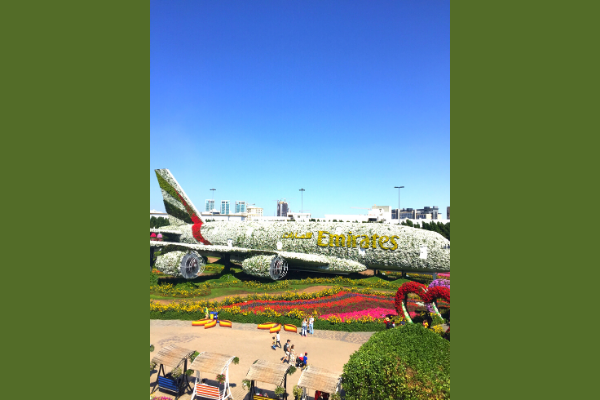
pixel 326 349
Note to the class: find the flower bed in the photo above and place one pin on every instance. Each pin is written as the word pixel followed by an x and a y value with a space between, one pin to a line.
pixel 340 303
pixel 375 313
pixel 291 307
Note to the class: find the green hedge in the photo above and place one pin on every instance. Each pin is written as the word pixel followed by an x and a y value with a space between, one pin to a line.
pixel 257 319
pixel 409 362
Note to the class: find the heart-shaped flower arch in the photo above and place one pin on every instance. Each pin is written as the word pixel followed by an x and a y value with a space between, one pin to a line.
pixel 428 295
pixel 401 295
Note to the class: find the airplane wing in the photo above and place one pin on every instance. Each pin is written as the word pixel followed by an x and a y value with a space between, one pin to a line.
pixel 295 261
pixel 210 250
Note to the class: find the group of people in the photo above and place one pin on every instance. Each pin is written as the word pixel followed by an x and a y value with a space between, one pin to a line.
pixel 308 324
pixel 290 357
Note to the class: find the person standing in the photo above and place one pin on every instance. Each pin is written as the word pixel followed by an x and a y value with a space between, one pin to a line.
pixel 278 340
pixel 311 322
pixel 286 348
pixel 303 327
pixel 292 357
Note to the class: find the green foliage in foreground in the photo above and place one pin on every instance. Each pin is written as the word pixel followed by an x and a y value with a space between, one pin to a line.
pixel 259 319
pixel 405 363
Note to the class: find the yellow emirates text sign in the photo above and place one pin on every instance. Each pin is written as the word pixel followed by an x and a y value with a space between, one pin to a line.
pixel 326 239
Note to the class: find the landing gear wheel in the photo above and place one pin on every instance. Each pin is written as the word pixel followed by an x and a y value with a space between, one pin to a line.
pixel 192 265
pixel 278 269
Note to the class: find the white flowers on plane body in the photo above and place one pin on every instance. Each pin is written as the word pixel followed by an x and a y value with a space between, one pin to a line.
pixel 333 254
pixel 258 266
pixel 265 235
pixel 169 263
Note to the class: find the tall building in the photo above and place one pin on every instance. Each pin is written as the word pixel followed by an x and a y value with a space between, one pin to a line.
pixel 224 207
pixel 254 212
pixel 210 205
pixel 429 213
pixel 448 212
pixel 240 207
pixel 405 213
pixel 282 208
pixel 421 213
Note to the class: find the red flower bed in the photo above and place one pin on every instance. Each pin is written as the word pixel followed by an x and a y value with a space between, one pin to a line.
pixel 341 302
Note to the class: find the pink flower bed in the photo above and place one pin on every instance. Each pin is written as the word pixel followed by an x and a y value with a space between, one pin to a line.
pixel 373 312
pixel 447 275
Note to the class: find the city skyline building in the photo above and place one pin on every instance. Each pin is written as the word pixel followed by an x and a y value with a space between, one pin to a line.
pixel 421 213
pixel 255 212
pixel 210 205
pixel 225 207
pixel 282 208
pixel 240 207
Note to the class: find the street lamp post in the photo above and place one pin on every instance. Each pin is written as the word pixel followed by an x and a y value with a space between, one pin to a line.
pixel 302 201
pixel 398 187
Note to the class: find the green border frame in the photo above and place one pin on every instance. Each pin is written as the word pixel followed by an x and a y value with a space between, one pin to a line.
pixel 76 150
pixel 524 84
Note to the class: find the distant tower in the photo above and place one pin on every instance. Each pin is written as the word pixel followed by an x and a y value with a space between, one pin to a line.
pixel 448 211
pixel 224 207
pixel 282 208
pixel 240 207
pixel 210 205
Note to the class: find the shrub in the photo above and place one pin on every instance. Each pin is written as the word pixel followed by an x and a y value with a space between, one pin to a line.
pixel 409 362
pixel 153 279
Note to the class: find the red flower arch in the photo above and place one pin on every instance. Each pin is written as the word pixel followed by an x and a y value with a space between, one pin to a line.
pixel 427 295
pixel 408 287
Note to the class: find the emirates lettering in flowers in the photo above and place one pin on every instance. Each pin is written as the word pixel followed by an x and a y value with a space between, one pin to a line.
pixel 350 241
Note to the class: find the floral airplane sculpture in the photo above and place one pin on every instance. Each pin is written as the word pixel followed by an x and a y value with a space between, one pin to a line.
pixel 268 249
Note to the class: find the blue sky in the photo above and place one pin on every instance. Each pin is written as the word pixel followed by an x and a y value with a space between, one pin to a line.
pixel 345 99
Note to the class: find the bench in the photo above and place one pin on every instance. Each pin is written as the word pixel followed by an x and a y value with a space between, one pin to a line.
pixel 206 391
pixel 257 397
pixel 168 384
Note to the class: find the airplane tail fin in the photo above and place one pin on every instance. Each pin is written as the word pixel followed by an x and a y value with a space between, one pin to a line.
pixel 177 204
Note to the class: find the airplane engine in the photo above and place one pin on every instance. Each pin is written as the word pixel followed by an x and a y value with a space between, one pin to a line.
pixel 274 267
pixel 188 264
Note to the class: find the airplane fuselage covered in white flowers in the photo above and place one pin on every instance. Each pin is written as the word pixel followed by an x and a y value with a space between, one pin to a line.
pixel 268 249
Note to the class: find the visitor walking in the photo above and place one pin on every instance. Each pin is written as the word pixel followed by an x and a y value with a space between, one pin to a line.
pixel 303 327
pixel 277 340
pixel 274 343
pixel 311 321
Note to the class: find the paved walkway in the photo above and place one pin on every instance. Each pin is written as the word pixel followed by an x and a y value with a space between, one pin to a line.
pixel 326 349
